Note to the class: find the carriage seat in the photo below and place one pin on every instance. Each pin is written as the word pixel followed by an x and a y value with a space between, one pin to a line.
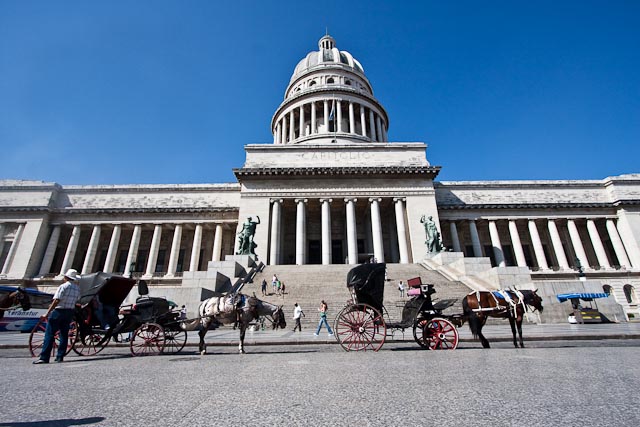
pixel 151 308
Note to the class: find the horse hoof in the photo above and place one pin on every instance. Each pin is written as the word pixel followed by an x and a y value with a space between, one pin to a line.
pixel 203 352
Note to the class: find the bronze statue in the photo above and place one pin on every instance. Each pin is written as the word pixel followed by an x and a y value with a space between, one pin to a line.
pixel 246 246
pixel 433 242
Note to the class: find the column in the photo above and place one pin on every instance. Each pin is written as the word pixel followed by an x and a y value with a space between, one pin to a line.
pixel 517 244
pixel 217 244
pixel 326 231
pixel 537 246
pixel 153 251
pixel 1 238
pixel 577 243
pixel 92 250
pixel 71 250
pixel 301 122
pixel 284 129
pixel 495 243
pixel 352 122
pixel 301 232
pixel 277 139
pixel 325 120
pixel 372 125
pixel 109 263
pixel 314 127
pixel 618 246
pixel 378 128
pixel 352 237
pixel 195 248
pixel 274 250
pixel 49 253
pixel 132 256
pixel 601 255
pixel 455 240
pixel 385 137
pixel 402 231
pixel 13 249
pixel 292 127
pixel 363 122
pixel 475 238
pixel 557 245
pixel 376 230
pixel 339 115
pixel 175 251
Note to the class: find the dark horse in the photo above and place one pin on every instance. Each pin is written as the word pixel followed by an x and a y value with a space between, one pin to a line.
pixel 234 309
pixel 13 300
pixel 478 306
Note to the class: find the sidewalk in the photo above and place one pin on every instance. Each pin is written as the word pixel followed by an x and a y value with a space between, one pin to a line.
pixel 531 332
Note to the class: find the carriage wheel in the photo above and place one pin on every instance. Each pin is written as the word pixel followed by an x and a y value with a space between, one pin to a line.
pixel 91 344
pixel 174 341
pixel 360 327
pixel 436 334
pixel 36 338
pixel 147 340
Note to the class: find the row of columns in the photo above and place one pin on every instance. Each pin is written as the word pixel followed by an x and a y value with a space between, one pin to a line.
pixel 556 243
pixel 351 230
pixel 285 128
pixel 132 253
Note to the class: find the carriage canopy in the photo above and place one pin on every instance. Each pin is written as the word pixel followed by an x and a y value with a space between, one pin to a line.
pixel 583 296
pixel 112 289
pixel 367 282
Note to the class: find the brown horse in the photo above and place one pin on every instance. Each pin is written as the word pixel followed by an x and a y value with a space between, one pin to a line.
pixel 234 309
pixel 13 300
pixel 478 306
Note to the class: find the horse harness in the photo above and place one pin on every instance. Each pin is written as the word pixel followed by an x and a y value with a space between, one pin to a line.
pixel 511 304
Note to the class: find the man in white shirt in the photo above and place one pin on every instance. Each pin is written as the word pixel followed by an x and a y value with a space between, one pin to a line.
pixel 297 313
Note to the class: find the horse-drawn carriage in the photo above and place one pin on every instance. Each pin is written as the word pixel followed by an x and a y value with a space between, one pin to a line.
pixel 361 324
pixel 152 327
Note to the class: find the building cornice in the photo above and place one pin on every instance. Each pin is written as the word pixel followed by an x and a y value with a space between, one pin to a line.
pixel 430 171
pixel 520 206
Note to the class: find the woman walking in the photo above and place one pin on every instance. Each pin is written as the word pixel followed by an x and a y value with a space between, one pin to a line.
pixel 323 319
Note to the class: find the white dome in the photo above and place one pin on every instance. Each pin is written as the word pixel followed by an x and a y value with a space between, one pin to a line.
pixel 327 54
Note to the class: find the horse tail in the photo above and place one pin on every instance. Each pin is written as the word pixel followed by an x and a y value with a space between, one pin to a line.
pixel 474 321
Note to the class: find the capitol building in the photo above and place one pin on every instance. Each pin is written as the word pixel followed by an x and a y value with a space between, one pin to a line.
pixel 332 189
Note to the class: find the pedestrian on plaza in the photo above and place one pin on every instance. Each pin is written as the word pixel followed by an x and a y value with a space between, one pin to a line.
pixel 278 287
pixel 264 287
pixel 297 313
pixel 183 313
pixel 282 288
pixel 59 316
pixel 401 288
pixel 323 319
pixel 274 282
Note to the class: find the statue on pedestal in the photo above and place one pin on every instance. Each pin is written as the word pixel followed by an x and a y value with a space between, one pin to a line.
pixel 246 246
pixel 433 242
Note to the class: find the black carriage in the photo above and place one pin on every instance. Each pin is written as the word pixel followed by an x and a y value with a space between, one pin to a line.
pixel 361 325
pixel 150 326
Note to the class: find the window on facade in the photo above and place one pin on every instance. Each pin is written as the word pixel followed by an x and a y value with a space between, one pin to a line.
pixel 180 265
pixel 330 81
pixel 607 289
pixel 630 294
pixel 162 254
pixel 312 83
pixel 347 82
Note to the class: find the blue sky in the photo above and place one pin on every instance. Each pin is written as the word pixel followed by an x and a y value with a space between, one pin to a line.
pixel 124 92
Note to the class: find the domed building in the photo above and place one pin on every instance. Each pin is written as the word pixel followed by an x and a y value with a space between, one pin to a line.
pixel 333 190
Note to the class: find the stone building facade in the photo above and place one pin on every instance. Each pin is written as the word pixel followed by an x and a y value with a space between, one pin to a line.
pixel 331 189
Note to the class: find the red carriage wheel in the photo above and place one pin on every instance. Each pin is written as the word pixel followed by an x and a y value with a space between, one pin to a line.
pixel 360 327
pixel 439 334
pixel 36 338
pixel 90 345
pixel 418 333
pixel 147 340
pixel 174 341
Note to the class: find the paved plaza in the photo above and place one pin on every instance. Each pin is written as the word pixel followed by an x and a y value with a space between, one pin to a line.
pixel 590 380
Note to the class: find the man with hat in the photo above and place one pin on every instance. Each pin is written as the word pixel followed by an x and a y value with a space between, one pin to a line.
pixel 60 315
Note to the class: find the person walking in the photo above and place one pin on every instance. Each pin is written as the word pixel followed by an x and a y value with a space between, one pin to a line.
pixel 60 315
pixel 274 283
pixel 297 313
pixel 323 319
pixel 264 287
pixel 401 288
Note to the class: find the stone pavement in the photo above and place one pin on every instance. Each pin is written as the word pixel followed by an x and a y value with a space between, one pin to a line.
pixel 494 333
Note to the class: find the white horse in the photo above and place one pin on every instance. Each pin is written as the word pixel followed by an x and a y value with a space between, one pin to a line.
pixel 234 309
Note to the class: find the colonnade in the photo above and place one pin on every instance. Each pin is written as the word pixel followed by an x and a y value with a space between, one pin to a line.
pixel 348 117
pixel 565 246
pixel 351 223
pixel 116 247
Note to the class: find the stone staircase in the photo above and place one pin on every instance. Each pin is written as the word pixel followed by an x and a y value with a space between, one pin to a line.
pixel 309 284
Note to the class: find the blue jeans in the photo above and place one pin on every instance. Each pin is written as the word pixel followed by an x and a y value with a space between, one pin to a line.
pixel 323 320
pixel 58 321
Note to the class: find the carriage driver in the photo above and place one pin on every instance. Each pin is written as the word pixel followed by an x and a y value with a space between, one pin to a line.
pixel 59 315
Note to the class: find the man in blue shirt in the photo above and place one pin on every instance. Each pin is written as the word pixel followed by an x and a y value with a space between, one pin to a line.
pixel 60 315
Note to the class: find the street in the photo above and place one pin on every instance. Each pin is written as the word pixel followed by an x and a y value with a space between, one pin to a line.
pixel 550 383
